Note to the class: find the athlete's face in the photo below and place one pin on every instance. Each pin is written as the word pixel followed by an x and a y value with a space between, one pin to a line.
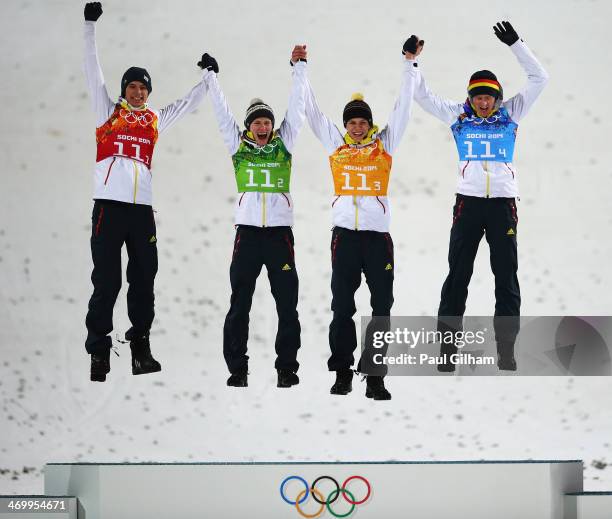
pixel 261 128
pixel 484 105
pixel 357 128
pixel 136 93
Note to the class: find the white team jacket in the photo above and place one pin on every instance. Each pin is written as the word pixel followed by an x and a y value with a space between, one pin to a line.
pixel 127 180
pixel 483 178
pixel 364 213
pixel 253 208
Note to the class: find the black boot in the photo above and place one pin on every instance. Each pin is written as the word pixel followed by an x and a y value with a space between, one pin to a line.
pixel 239 379
pixel 344 382
pixel 505 356
pixel 375 388
pixel 287 378
pixel 446 350
pixel 142 360
pixel 100 366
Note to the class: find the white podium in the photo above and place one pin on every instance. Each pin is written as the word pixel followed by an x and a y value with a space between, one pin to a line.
pixel 403 490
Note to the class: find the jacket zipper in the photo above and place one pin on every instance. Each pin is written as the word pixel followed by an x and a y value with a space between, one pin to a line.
pixel 356 212
pixel 135 180
pixel 263 210
pixel 488 181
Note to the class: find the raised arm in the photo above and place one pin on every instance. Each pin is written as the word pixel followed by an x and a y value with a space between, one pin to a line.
pixel 294 118
pixel 181 107
pixel 537 77
pixel 398 120
pixel 325 130
pixel 101 103
pixel 229 128
pixel 444 109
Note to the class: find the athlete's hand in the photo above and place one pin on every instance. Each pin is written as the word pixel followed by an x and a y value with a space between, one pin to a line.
pixel 506 33
pixel 208 63
pixel 299 53
pixel 412 47
pixel 93 11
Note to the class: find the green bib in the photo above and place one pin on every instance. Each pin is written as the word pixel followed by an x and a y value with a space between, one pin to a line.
pixel 266 169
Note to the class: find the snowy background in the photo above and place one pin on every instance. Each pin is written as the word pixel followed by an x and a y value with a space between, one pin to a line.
pixel 49 411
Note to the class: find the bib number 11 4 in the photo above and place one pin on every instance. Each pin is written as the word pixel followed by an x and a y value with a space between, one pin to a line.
pixel 487 151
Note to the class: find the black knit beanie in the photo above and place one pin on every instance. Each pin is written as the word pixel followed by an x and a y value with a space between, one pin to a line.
pixel 136 74
pixel 357 107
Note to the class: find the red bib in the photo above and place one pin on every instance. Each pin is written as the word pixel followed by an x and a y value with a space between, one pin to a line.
pixel 128 133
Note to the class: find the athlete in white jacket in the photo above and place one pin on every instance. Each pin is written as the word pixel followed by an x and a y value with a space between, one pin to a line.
pixel 126 133
pixel 360 160
pixel 261 158
pixel 485 128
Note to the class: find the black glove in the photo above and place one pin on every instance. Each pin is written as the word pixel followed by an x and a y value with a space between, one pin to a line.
pixel 93 11
pixel 411 44
pixel 506 33
pixel 208 63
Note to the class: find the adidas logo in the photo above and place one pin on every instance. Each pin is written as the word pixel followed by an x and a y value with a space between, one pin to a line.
pixel 510 232
pixel 286 267
pixel 152 239
pixel 389 266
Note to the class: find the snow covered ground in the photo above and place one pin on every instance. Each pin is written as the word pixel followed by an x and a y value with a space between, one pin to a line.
pixel 49 409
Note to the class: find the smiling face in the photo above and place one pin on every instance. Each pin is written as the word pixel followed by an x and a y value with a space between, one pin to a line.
pixel 483 104
pixel 136 93
pixel 261 128
pixel 357 128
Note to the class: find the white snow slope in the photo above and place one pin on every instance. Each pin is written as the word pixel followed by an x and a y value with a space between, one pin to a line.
pixel 49 409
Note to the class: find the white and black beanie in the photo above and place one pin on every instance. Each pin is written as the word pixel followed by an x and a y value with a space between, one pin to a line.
pixel 257 108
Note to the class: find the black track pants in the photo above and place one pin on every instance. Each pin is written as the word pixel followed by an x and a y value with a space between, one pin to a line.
pixel 354 252
pixel 253 248
pixel 113 224
pixel 497 219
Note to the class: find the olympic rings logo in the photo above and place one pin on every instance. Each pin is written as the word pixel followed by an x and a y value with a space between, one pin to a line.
pixel 368 149
pixel 325 502
pixel 481 120
pixel 267 148
pixel 144 119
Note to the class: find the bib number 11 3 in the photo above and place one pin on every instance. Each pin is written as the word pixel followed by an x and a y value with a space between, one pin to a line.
pixel 363 187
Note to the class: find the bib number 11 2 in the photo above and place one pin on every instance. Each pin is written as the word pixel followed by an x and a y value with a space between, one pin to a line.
pixel 267 183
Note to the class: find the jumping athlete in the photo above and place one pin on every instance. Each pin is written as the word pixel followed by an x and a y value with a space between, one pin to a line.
pixel 126 134
pixel 263 218
pixel 484 128
pixel 360 160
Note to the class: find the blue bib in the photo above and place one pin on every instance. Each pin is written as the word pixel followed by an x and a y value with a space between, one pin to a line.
pixel 490 138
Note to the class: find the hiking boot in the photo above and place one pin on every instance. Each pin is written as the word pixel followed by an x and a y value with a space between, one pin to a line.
pixel 239 379
pixel 344 382
pixel 375 388
pixel 100 366
pixel 287 378
pixel 142 360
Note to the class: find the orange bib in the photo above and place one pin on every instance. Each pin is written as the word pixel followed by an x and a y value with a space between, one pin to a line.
pixel 361 171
